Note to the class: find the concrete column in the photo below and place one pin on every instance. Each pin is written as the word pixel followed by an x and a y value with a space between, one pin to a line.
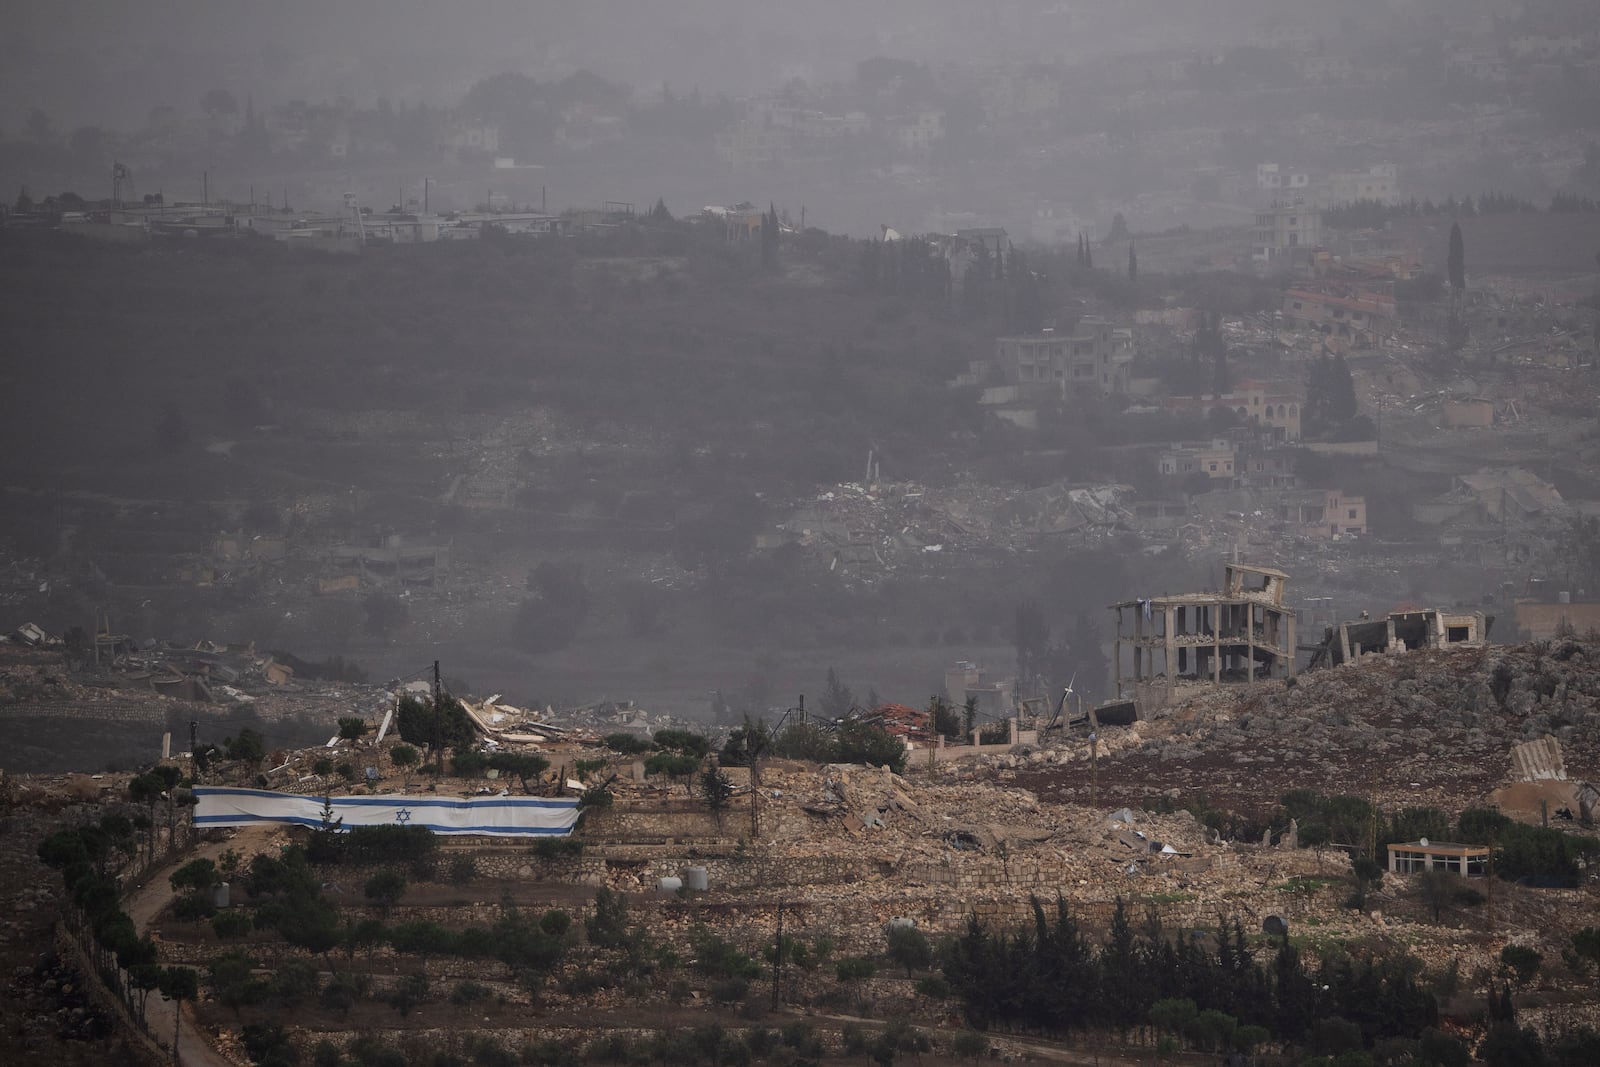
pixel 1117 666
pixel 1171 650
pixel 1250 649
pixel 1138 646
pixel 1216 644
pixel 1289 624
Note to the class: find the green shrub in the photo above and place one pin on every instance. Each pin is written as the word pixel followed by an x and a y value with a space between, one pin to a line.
pixel 584 982
pixel 854 1040
pixel 487 1052
pixel 463 869
pixel 468 992
pixel 1542 854
pixel 385 888
pixel 196 874
pixel 716 958
pixel 408 992
pixel 269 1045
pixel 627 744
pixel 231 924
pixel 762 1041
pixel 684 741
pixel 855 969
pixel 609 1048
pixel 369 846
pixel 469 763
pixel 969 1045
pixel 1522 961
pixel 729 990
pixel 193 906
pixel 555 848
pixel 549 1053
pixel 294 981
pixel 860 742
pixel 418 724
pixel 326 1054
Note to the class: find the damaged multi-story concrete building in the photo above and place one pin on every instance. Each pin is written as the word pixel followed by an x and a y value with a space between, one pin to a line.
pixel 1242 634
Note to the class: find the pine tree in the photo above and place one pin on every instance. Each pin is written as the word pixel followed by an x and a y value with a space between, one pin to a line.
pixel 1124 996
pixel 837 699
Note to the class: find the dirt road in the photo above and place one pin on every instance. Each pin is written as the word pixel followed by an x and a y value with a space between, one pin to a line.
pixel 143 905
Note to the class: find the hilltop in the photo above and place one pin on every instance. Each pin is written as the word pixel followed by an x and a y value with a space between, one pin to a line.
pixel 1426 727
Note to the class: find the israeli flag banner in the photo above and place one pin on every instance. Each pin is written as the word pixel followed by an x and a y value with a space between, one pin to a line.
pixel 494 816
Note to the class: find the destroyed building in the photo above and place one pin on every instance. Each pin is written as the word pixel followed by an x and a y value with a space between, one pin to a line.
pixel 1242 634
pixel 1401 631
pixel 993 697
pixel 390 566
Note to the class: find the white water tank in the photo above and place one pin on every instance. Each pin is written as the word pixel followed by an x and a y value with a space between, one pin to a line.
pixel 696 879
pixel 668 886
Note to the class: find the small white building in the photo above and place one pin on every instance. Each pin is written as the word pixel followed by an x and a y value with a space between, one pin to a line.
pixel 1469 861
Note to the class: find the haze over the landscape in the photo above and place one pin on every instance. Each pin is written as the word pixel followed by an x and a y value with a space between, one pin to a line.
pixel 800 533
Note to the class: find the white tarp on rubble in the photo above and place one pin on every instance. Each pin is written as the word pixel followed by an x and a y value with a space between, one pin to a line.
pixel 491 816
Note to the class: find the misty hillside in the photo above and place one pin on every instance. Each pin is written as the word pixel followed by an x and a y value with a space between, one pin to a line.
pixel 676 352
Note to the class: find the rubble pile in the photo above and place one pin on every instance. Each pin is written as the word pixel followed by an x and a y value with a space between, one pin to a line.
pixel 939 849
pixel 886 526
pixel 1429 726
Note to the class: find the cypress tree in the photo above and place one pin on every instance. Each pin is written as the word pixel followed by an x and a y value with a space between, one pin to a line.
pixel 1457 264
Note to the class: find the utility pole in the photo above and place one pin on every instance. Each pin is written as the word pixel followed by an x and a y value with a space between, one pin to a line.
pixel 1094 769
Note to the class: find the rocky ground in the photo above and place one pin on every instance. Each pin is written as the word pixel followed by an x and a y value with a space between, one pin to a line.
pixel 45 1018
pixel 845 849
pixel 1431 727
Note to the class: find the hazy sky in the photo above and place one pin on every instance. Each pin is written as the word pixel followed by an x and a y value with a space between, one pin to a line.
pixel 107 62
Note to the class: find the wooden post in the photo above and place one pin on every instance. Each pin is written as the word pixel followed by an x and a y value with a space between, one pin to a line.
pixel 1094 769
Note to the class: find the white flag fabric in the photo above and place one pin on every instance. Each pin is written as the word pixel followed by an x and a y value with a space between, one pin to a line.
pixel 494 816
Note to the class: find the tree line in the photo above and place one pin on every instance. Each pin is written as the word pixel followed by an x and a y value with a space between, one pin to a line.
pixel 1047 978
pixel 1371 214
